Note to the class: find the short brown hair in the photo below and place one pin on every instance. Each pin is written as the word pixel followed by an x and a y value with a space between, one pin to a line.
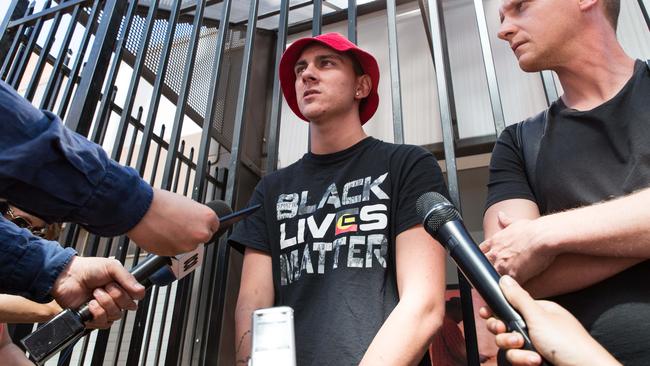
pixel 612 8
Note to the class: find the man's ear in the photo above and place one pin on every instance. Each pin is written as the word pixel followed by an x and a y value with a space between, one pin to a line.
pixel 364 85
pixel 587 4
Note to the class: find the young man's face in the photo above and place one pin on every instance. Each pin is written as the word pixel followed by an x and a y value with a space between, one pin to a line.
pixel 538 30
pixel 326 84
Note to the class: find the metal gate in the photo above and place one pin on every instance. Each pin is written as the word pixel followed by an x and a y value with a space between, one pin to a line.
pixel 67 57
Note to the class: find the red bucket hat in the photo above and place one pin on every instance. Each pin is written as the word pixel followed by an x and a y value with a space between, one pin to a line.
pixel 337 42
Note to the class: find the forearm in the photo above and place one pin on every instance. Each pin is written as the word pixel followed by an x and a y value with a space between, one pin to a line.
pixel 573 272
pixel 16 309
pixel 243 331
pixel 404 336
pixel 616 228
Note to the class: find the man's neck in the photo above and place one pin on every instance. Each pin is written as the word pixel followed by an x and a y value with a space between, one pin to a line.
pixel 335 135
pixel 595 73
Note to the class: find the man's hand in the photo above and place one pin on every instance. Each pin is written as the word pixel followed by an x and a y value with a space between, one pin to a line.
pixel 111 285
pixel 555 333
pixel 518 249
pixel 174 224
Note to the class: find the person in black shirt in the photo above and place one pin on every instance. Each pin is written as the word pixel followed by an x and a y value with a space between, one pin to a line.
pixel 578 229
pixel 338 238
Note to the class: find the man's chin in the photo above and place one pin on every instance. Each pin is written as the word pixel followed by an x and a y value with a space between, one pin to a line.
pixel 529 65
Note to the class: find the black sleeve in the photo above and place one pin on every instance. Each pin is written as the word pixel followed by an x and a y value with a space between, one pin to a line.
pixel 252 232
pixel 507 178
pixel 420 174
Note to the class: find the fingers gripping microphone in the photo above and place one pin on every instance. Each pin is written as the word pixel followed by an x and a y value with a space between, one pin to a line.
pixel 441 219
pixel 69 325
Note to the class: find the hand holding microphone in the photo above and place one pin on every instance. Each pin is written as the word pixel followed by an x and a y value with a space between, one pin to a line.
pixel 70 325
pixel 442 221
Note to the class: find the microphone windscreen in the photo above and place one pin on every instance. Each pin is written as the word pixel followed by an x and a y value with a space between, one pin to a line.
pixel 438 208
pixel 220 207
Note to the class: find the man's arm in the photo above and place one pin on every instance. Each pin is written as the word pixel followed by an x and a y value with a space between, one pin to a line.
pixel 10 354
pixel 406 334
pixel 255 292
pixel 17 309
pixel 514 248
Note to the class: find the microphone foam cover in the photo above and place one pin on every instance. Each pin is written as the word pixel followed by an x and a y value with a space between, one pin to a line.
pixel 220 207
pixel 435 210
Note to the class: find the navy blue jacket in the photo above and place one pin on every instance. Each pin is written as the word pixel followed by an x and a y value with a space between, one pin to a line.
pixel 60 176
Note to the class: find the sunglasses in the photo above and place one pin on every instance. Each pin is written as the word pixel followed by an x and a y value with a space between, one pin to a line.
pixel 24 223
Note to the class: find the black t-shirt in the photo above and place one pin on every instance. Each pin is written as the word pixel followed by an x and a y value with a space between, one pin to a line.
pixel 584 158
pixel 332 220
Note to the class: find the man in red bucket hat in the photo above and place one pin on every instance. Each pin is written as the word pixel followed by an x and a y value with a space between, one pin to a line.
pixel 338 238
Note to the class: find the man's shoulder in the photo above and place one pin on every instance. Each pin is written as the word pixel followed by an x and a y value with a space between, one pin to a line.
pixel 402 149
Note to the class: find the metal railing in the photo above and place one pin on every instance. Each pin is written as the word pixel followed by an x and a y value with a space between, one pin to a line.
pixel 166 48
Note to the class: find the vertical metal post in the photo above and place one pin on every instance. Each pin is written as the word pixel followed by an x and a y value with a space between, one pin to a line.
pixel 276 104
pixel 223 251
pixel 108 94
pixel 42 59
pixel 27 51
pixel 644 13
pixel 352 21
pixel 77 65
pixel 15 10
pixel 132 91
pixel 396 88
pixel 206 289
pixel 490 71
pixel 54 82
pixel 90 85
pixel 317 19
pixel 550 89
pixel 435 9
pixel 12 53
pixel 183 290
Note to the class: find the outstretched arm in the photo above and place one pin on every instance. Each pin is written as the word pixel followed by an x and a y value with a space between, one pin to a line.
pixel 406 334
pixel 555 333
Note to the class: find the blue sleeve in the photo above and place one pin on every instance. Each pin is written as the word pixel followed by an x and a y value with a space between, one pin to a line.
pixel 60 176
pixel 29 265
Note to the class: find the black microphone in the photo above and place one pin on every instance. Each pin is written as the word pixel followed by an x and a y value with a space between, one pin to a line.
pixel 442 221
pixel 68 326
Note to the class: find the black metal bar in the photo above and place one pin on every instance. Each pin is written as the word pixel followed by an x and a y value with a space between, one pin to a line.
pixel 42 59
pixel 644 13
pixel 139 64
pixel 424 14
pixel 150 319
pixel 550 89
pixel 19 57
pixel 52 90
pixel 396 88
pixel 108 95
pixel 15 46
pixel 99 132
pixel 15 10
pixel 183 95
pixel 76 66
pixel 276 106
pixel 163 319
pixel 28 50
pixel 437 30
pixel 223 250
pixel 317 19
pixel 352 21
pixel 134 136
pixel 205 289
pixel 82 114
pixel 63 8
pixel 490 71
